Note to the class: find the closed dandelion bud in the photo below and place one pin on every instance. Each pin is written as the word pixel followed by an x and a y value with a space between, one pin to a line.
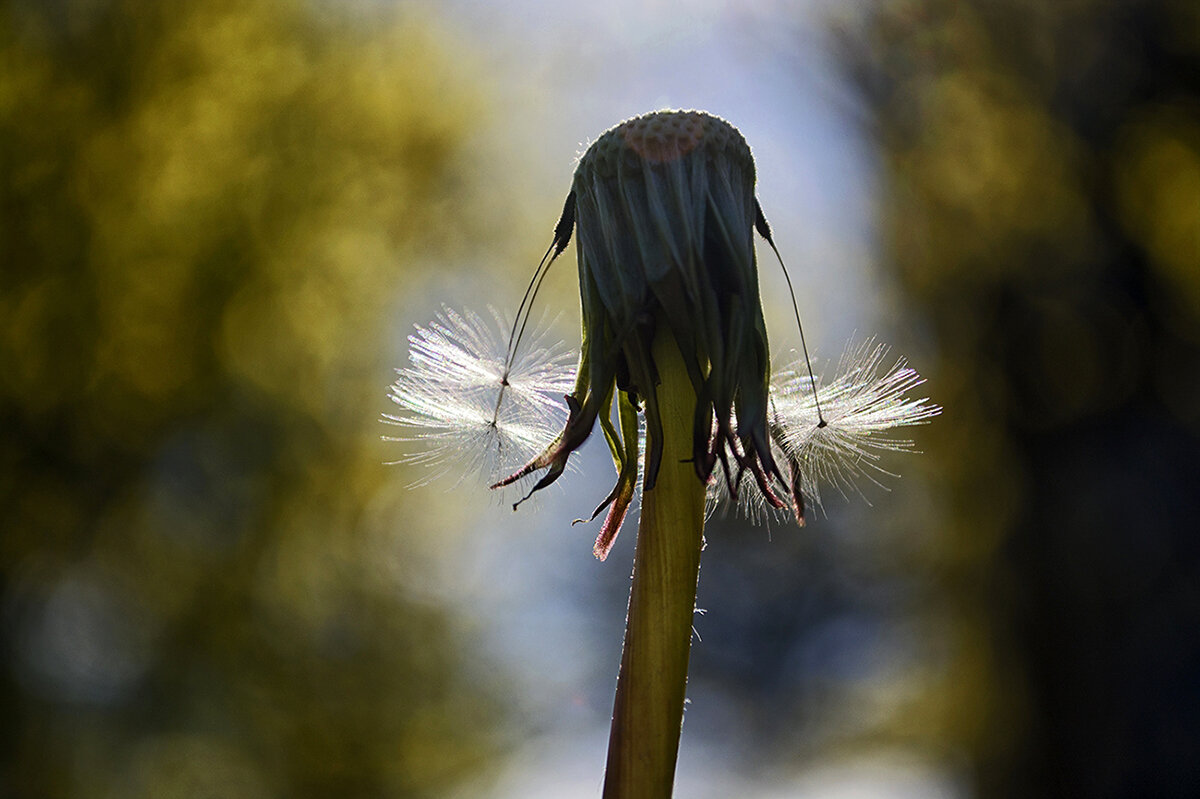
pixel 665 211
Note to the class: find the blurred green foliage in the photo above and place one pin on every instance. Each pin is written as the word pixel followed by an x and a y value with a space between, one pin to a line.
pixel 1042 212
pixel 206 207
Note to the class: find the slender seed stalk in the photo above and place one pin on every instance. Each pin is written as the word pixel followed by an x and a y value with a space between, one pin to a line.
pixel 648 710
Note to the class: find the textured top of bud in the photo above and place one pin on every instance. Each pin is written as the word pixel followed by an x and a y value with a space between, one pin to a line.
pixel 662 137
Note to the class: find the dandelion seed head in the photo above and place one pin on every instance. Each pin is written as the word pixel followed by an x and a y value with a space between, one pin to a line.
pixel 465 413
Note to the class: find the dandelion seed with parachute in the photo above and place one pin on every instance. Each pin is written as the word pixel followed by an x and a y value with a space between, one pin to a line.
pixel 839 441
pixel 465 411
pixel 864 400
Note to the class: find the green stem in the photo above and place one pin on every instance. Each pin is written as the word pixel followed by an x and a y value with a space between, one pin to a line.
pixel 648 710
